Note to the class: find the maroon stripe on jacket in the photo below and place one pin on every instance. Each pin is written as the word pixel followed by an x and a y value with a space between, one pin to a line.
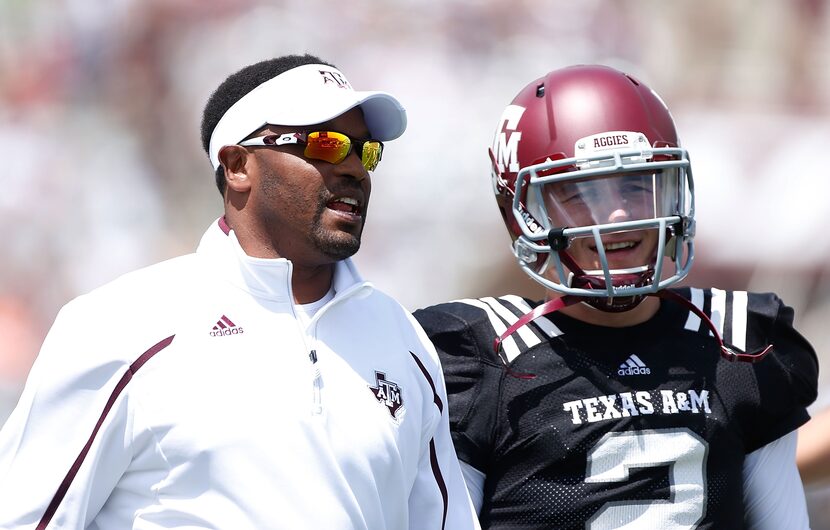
pixel 439 478
pixel 424 371
pixel 433 455
pixel 73 471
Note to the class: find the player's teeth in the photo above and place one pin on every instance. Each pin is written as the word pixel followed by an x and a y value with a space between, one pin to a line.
pixel 348 200
pixel 616 246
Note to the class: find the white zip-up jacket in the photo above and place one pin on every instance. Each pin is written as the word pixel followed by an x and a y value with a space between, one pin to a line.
pixel 189 395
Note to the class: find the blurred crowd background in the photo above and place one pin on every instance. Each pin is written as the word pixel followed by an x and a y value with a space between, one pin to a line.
pixel 100 105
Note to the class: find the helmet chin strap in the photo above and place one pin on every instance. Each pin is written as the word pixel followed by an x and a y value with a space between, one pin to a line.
pixel 609 304
pixel 559 243
pixel 728 351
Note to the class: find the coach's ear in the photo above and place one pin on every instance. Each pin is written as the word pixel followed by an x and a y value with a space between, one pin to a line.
pixel 234 158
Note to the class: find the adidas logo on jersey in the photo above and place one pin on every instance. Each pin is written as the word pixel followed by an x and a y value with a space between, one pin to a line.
pixel 633 366
pixel 224 327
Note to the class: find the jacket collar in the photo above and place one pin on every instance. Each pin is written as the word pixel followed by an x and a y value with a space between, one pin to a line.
pixel 268 278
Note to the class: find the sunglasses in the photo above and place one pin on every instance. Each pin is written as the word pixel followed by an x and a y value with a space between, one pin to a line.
pixel 330 146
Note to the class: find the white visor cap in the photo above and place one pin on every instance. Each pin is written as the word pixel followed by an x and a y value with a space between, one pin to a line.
pixel 306 95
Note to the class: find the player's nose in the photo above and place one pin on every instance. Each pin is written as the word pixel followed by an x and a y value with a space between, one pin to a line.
pixel 619 215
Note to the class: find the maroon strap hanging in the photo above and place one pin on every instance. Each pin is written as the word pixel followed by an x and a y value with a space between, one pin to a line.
pixel 728 351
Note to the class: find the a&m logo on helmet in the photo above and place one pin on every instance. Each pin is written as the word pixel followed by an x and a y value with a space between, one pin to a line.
pixel 506 142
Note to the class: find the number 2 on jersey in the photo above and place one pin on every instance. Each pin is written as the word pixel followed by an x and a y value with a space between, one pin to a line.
pixel 682 450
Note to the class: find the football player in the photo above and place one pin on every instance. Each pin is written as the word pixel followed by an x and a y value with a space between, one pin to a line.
pixel 620 400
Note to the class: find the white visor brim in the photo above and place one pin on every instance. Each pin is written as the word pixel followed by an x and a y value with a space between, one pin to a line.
pixel 306 95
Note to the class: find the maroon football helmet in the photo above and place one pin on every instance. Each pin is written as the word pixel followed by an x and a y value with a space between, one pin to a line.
pixel 588 157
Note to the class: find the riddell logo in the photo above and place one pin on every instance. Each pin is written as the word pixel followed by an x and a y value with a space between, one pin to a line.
pixel 224 327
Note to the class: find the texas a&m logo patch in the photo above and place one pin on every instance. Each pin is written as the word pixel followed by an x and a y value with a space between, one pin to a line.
pixel 387 393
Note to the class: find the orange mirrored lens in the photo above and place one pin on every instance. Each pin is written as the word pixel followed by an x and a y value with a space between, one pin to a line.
pixel 327 145
pixel 334 147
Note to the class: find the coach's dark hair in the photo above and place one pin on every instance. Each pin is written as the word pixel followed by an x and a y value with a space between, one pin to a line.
pixel 237 85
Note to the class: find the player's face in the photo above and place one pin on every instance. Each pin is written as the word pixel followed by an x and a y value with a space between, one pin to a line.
pixel 604 201
pixel 622 251
pixel 312 211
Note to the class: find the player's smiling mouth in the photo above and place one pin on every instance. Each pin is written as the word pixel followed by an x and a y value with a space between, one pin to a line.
pixel 617 246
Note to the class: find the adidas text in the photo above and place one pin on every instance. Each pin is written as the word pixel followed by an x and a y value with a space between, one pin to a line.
pixel 228 331
pixel 636 370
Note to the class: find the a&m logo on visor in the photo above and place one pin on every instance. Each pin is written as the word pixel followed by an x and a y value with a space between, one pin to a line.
pixel 387 393
pixel 335 78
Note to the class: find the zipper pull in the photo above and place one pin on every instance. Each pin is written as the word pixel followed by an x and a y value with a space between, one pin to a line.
pixel 317 406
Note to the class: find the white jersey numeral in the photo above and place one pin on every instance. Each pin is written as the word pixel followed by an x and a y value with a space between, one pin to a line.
pixel 682 450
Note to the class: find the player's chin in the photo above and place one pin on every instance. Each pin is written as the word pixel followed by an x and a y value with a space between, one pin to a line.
pixel 339 245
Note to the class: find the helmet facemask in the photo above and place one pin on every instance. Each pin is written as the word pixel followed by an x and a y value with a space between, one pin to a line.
pixel 603 226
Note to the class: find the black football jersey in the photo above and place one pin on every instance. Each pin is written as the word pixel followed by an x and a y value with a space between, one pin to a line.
pixel 593 427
